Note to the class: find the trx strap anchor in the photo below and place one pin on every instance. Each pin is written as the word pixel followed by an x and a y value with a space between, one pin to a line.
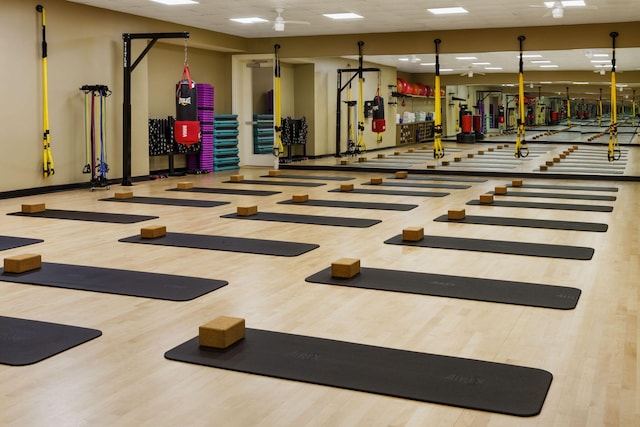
pixel 278 148
pixel 361 146
pixel 438 150
pixel 521 149
pixel 613 150
pixel 48 168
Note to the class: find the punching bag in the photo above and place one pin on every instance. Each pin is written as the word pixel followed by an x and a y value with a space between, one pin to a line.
pixel 187 126
pixel 378 124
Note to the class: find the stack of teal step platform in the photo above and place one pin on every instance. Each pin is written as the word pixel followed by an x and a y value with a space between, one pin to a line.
pixel 225 142
pixel 263 133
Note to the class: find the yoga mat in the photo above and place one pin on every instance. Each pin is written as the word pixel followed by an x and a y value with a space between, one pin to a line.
pixel 392 192
pixel 238 192
pixel 111 281
pixel 557 195
pixel 353 205
pixel 23 342
pixel 225 243
pixel 307 219
pixel 420 185
pixel 285 183
pixel 525 222
pixel 9 242
pixel 498 247
pixel 88 216
pixel 557 206
pixel 168 202
pixel 470 288
pixel 454 381
pixel 568 187
pixel 321 178
pixel 437 178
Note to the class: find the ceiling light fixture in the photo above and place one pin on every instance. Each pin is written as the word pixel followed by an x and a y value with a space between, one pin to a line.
pixel 493 68
pixel 448 10
pixel 252 20
pixel 343 15
pixel 541 61
pixel 557 12
pixel 530 55
pixel 602 72
pixel 465 57
pixel 175 2
pixel 549 66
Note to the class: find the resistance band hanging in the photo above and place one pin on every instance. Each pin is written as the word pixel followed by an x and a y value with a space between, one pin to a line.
pixel 361 146
pixel 378 124
pixel 47 164
pixel 600 109
pixel 278 148
pixel 438 150
pixel 96 159
pixel 613 151
pixel 521 149
pixel 568 109
pixel 352 119
pixel 187 125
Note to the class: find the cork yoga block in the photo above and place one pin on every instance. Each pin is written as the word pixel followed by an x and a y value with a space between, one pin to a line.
pixel 362 159
pixel 470 155
pixel 345 268
pixel 33 208
pixel 300 198
pixel 185 185
pixel 221 332
pixel 480 152
pixel 247 210
pixel 22 263
pixel 382 156
pixel 516 183
pixel 556 160
pixel 376 181
pixel 445 163
pixel 402 174
pixel 457 159
pixel 543 167
pixel 490 149
pixel 500 190
pixel 236 178
pixel 413 234
pixel 434 166
pixel 346 187
pixel 344 162
pixel 275 172
pixel 486 199
pixel 456 214
pixel 549 163
pixel 123 195
pixel 153 231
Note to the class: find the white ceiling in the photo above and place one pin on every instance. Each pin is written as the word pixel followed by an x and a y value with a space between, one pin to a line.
pixel 400 16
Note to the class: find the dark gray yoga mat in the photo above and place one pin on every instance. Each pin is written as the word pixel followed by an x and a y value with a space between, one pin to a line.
pixel 24 342
pixel 498 247
pixel 446 380
pixel 317 177
pixel 225 243
pixel 112 281
pixel 352 205
pixel 557 206
pixel 192 203
pixel 414 177
pixel 567 187
pixel 9 242
pixel 115 218
pixel 557 195
pixel 470 288
pixel 274 182
pixel 401 183
pixel 392 192
pixel 525 222
pixel 237 192
pixel 307 219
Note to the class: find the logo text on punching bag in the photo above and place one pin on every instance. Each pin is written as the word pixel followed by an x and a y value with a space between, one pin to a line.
pixel 184 101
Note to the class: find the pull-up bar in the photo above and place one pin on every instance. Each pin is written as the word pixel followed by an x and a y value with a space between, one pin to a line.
pixel 128 67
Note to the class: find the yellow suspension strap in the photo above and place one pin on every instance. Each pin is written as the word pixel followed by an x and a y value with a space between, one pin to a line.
pixel 438 150
pixel 47 169
pixel 361 146
pixel 278 148
pixel 568 109
pixel 600 112
pixel 633 109
pixel 521 149
pixel 352 119
pixel 613 151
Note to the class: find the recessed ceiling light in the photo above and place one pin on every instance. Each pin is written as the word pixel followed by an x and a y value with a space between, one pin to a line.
pixel 481 63
pixel 343 15
pixel 580 83
pixel 531 55
pixel 403 59
pixel 545 83
pixel 252 20
pixel 541 61
pixel 599 61
pixel 548 66
pixel 428 63
pixel 446 69
pixel 600 55
pixel 566 3
pixel 175 2
pixel 466 57
pixel 448 10
pixel 493 68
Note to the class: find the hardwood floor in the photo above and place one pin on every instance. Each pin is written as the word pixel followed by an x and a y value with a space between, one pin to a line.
pixel 122 378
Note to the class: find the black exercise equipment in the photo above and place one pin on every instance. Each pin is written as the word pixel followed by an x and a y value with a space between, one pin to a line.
pixel 283 183
pixel 462 382
pixel 96 160
pixel 498 247
pixel 352 205
pixel 128 67
pixel 192 203
pixel 469 288
pixel 318 177
pixel 24 342
pixel 10 242
pixel 526 222
pixel 439 178
pixel 240 192
pixel 115 218
pixel 225 243
pixel 169 287
pixel 438 150
pixel 521 148
pixel 307 219
pixel 402 183
pixel 48 167
pixel 613 150
pixel 558 195
pixel 568 187
pixel 392 192
pixel 536 205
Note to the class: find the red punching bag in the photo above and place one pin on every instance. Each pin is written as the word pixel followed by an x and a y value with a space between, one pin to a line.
pixel 187 126
pixel 378 124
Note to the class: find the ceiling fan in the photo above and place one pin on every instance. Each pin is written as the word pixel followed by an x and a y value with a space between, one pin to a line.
pixel 470 72
pixel 556 8
pixel 278 23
